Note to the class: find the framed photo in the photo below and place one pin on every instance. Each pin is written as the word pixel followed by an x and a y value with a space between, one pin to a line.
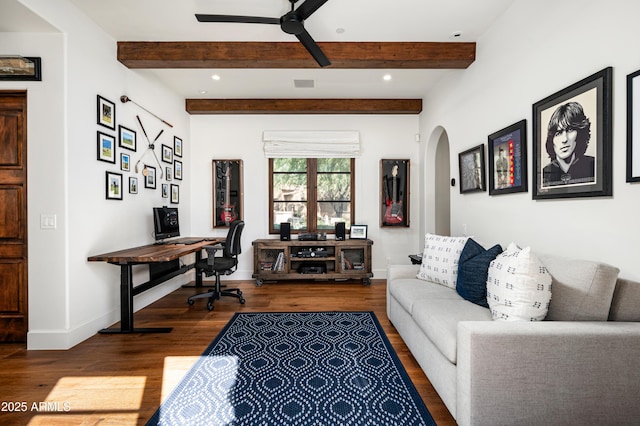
pixel 150 178
pixel 167 154
pixel 394 193
pixel 572 140
pixel 227 192
pixel 127 138
pixel 165 190
pixel 177 146
pixel 125 162
pixel 168 173
pixel 358 232
pixel 113 186
pixel 507 152
pixel 133 185
pixel 106 148
pixel 16 68
pixel 177 169
pixel 106 113
pixel 471 165
pixel 175 193
pixel 633 127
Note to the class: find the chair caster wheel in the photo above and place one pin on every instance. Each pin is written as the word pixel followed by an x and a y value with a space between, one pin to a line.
pixel 189 301
pixel 210 306
pixel 242 301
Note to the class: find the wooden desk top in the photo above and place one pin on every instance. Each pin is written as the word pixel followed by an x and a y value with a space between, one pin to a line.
pixel 152 253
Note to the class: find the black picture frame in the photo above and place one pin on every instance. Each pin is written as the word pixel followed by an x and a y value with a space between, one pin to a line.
pixel 358 232
pixel 589 103
pixel 133 185
pixel 150 179
pixel 177 170
pixel 127 138
pixel 394 192
pixel 633 127
pixel 106 112
pixel 228 201
pixel 177 146
pixel 472 170
pixel 125 162
pixel 113 186
pixel 28 68
pixel 167 154
pixel 106 145
pixel 507 159
pixel 175 194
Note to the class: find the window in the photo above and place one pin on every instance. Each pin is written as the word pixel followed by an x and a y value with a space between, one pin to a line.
pixel 312 194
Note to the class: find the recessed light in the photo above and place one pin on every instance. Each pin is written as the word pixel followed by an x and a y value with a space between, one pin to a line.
pixel 215 77
pixel 387 77
pixel 202 92
pixel 455 34
pixel 340 30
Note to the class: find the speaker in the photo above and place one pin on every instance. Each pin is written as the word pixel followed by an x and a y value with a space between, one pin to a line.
pixel 340 231
pixel 285 231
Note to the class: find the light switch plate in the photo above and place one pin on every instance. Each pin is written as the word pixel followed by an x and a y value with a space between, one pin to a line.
pixel 47 221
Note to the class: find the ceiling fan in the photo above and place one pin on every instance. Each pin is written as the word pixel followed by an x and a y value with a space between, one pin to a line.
pixel 291 23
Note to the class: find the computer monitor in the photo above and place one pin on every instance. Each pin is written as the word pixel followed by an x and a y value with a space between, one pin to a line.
pixel 165 222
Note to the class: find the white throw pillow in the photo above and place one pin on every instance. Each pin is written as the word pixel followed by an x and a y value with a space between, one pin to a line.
pixel 518 286
pixel 440 259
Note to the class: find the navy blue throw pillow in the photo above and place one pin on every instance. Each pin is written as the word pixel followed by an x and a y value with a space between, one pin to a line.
pixel 473 267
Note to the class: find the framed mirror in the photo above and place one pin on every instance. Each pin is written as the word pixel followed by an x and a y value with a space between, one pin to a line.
pixel 227 192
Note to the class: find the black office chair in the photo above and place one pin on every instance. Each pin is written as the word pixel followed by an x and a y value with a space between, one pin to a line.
pixel 217 265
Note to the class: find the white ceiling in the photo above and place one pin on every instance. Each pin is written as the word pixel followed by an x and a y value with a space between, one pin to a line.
pixel 336 20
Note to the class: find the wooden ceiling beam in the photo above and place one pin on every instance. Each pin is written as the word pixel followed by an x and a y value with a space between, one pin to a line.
pixel 352 55
pixel 304 106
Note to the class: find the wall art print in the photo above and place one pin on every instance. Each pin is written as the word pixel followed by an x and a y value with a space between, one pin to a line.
pixel 394 193
pixel 507 152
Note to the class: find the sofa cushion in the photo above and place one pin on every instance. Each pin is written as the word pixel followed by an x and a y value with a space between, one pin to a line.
pixel 473 266
pixel 582 289
pixel 439 318
pixel 409 290
pixel 625 305
pixel 518 286
pixel 440 259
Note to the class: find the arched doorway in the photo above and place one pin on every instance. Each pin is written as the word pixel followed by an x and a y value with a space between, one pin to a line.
pixel 437 180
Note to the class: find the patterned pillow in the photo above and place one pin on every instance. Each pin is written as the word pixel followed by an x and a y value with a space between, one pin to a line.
pixel 472 271
pixel 518 286
pixel 440 259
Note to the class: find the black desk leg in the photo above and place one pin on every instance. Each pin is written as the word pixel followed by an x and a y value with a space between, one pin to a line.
pixel 198 283
pixel 126 307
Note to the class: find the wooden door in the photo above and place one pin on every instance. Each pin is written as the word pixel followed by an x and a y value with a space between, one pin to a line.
pixel 13 216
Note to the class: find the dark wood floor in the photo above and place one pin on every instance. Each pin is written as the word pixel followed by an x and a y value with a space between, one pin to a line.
pixel 121 379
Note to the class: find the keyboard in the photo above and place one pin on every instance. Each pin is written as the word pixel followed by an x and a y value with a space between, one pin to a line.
pixel 186 240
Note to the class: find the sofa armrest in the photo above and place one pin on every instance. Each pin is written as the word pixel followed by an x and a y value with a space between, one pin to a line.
pixel 548 373
pixel 401 271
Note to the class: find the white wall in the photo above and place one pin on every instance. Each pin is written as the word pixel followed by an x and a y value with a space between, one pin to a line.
pixel 70 298
pixel 536 49
pixel 240 137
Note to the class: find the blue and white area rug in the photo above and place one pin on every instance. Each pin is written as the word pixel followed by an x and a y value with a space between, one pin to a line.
pixel 311 368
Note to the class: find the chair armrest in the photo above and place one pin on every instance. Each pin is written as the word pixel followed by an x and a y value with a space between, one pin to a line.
pixel 548 372
pixel 212 250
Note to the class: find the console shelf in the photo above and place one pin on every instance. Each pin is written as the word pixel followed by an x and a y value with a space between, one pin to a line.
pixel 276 260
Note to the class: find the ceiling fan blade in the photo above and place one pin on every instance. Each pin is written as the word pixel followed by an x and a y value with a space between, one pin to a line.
pixel 308 7
pixel 235 18
pixel 309 43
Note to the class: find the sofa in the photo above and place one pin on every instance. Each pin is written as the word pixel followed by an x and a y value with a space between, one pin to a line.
pixel 578 366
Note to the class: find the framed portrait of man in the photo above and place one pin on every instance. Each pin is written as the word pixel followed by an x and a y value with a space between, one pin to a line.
pixel 572 139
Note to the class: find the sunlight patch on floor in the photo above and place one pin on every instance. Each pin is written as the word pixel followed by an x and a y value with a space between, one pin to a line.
pixel 175 367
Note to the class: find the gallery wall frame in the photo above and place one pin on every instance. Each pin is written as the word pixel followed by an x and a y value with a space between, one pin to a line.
pixel 472 170
pixel 394 192
pixel 106 148
pixel 228 201
pixel 175 194
pixel 150 178
pixel 507 158
pixel 572 140
pixel 106 112
pixel 113 186
pixel 633 127
pixel 127 138
pixel 167 154
pixel 133 185
pixel 177 146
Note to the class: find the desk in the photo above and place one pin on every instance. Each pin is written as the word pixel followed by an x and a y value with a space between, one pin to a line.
pixel 147 255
